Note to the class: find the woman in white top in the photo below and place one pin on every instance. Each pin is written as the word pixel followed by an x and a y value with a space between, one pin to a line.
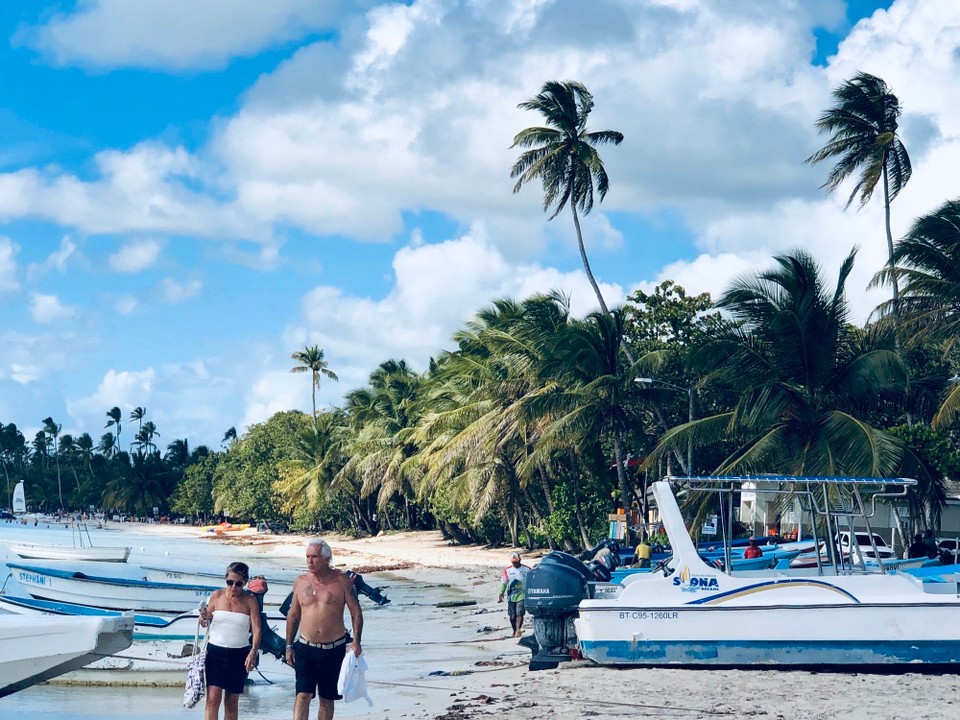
pixel 232 617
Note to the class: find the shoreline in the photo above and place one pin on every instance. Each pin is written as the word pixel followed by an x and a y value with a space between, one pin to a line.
pixel 464 666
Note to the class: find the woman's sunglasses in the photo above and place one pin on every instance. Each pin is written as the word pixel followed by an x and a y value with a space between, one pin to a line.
pixel 238 583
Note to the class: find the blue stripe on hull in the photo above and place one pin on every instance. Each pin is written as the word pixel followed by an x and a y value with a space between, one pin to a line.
pixel 772 653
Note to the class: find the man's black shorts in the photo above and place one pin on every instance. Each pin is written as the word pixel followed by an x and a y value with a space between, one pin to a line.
pixel 514 608
pixel 318 670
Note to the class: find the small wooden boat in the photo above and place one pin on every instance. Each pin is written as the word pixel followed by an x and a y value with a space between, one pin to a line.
pixel 36 649
pixel 112 593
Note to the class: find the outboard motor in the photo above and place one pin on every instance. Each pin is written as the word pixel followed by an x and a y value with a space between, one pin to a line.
pixel 552 595
pixel 371 592
pixel 270 641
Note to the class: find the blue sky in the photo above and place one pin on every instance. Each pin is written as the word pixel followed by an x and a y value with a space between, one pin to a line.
pixel 191 190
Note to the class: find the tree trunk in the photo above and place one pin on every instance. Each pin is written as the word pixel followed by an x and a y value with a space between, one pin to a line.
pixel 577 503
pixel 624 488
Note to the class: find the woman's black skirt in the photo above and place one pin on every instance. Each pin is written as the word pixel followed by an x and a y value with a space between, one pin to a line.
pixel 226 667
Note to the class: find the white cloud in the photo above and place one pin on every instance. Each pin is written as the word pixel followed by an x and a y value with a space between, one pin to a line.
pixel 437 288
pixel 136 256
pixel 56 260
pixel 48 308
pixel 174 291
pixel 173 34
pixel 125 389
pixel 8 265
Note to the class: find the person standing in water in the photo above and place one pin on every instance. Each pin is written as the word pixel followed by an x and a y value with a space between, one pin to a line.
pixel 512 583
pixel 233 641
pixel 316 611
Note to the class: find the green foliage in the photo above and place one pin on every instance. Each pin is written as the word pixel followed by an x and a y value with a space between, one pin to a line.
pixel 194 493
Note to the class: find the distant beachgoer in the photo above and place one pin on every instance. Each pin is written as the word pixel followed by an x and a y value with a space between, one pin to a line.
pixel 753 551
pixel 316 611
pixel 233 616
pixel 643 553
pixel 511 584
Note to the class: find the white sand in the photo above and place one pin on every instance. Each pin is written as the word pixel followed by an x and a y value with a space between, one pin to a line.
pixel 499 685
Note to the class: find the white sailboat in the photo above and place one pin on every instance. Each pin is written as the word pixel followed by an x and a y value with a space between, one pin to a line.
pixel 19 500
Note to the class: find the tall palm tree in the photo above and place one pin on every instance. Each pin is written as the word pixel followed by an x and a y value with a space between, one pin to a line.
pixel 563 156
pixel 114 416
pixel 311 360
pixel 863 123
pixel 53 429
pixel 927 261
pixel 805 379
pixel 137 415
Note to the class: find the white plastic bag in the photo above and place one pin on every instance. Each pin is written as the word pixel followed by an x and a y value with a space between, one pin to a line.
pixel 352 683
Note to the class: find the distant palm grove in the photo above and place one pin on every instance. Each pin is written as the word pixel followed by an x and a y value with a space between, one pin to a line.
pixel 538 423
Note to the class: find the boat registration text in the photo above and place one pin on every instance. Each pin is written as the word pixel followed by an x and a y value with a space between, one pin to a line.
pixel 649 615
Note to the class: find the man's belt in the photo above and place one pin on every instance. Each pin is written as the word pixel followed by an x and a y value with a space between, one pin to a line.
pixel 327 645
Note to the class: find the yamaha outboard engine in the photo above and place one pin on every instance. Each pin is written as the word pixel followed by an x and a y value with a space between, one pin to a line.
pixel 371 592
pixel 553 591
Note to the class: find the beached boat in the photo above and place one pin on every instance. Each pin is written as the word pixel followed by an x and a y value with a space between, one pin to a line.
pixel 59 584
pixel 36 649
pixel 278 587
pixel 224 527
pixel 30 551
pixel 691 614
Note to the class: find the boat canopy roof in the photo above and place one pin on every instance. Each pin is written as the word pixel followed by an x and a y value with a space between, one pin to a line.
pixel 795 479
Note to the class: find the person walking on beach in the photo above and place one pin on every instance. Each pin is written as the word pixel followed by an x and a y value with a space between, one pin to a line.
pixel 233 641
pixel 512 584
pixel 319 597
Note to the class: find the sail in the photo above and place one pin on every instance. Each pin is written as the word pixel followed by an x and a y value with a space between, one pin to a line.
pixel 19 503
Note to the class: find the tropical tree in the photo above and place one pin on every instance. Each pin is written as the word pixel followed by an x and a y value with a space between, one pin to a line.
pixel 563 157
pixel 863 125
pixel 927 263
pixel 53 430
pixel 114 416
pixel 137 415
pixel 311 360
pixel 804 377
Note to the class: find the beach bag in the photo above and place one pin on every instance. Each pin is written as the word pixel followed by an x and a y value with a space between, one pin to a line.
pixel 196 678
pixel 352 683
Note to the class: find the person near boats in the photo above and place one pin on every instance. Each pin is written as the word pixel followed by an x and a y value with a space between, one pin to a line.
pixel 642 553
pixel 316 613
pixel 931 542
pixel 919 548
pixel 232 618
pixel 753 551
pixel 512 585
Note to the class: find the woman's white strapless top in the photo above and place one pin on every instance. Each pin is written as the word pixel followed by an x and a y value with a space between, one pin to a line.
pixel 230 629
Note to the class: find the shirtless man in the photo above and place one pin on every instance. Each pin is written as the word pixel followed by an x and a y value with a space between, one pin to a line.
pixel 319 596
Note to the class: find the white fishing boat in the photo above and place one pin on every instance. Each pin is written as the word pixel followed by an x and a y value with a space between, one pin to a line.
pixel 36 649
pixel 278 587
pixel 60 584
pixel 31 551
pixel 691 614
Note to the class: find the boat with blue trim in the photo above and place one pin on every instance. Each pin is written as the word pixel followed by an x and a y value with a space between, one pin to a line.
pixel 689 613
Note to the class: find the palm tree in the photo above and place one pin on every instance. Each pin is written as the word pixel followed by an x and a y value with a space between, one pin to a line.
pixel 563 156
pixel 137 414
pixel 805 379
pixel 863 123
pixel 114 416
pixel 84 445
pixel 311 360
pixel 927 261
pixel 53 429
pixel 229 437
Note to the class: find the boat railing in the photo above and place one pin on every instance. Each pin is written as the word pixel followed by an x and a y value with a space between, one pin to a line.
pixel 834 499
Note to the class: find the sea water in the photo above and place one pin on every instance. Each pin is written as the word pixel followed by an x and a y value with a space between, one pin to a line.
pixel 403 642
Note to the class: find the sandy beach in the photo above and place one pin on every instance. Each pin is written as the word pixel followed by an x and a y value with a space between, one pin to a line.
pixel 491 680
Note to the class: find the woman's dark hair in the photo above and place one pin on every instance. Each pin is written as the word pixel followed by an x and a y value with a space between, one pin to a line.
pixel 240 569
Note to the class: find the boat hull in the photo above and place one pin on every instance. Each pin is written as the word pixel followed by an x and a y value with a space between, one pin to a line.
pixel 816 635
pixel 109 592
pixel 37 649
pixel 62 552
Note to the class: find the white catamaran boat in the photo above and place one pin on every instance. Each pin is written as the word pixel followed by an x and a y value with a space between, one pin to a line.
pixel 690 613
pixel 36 649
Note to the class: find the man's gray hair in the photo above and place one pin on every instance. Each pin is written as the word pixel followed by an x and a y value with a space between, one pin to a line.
pixel 325 549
